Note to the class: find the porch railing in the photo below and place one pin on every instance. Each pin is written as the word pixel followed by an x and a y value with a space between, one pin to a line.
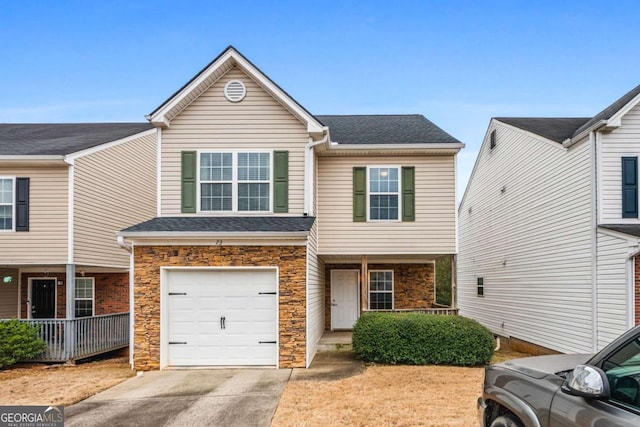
pixel 448 311
pixel 79 338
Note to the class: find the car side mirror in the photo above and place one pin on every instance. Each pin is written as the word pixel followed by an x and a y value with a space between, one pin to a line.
pixel 587 381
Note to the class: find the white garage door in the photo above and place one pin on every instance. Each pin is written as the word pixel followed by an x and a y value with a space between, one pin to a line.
pixel 221 317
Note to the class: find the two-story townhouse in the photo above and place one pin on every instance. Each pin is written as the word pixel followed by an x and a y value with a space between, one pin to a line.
pixel 549 230
pixel 65 189
pixel 274 225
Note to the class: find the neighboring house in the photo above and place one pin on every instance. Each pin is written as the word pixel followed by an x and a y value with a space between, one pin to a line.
pixel 549 229
pixel 65 189
pixel 274 225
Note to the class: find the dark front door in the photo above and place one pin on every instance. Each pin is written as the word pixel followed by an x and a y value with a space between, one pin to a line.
pixel 43 298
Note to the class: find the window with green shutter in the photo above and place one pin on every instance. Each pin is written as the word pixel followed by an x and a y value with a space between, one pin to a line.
pixel 188 188
pixel 359 194
pixel 408 193
pixel 280 181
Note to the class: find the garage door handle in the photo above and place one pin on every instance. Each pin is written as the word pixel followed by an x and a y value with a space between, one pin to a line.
pixel 177 293
pixel 266 342
pixel 266 293
pixel 223 322
pixel 177 342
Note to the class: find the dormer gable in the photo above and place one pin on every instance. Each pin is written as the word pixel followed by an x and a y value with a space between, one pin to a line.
pixel 213 72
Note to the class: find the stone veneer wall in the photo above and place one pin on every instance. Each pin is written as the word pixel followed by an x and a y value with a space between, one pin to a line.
pixel 111 292
pixel 291 261
pixel 413 285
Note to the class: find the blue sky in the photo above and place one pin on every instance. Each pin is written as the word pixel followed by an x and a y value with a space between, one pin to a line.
pixel 457 62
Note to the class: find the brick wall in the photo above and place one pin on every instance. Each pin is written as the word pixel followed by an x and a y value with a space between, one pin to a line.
pixel 111 292
pixel 413 285
pixel 291 261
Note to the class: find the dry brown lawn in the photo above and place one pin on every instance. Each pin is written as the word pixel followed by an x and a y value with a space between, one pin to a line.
pixel 36 384
pixel 388 396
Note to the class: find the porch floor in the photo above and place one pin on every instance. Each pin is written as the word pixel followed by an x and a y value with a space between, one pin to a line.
pixel 335 341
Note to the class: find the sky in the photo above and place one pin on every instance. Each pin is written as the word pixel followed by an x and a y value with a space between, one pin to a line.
pixel 459 63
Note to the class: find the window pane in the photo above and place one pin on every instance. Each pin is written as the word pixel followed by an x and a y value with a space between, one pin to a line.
pixel 6 191
pixel 216 166
pixel 253 167
pixel 253 197
pixel 383 207
pixel 84 308
pixel 215 197
pixel 6 220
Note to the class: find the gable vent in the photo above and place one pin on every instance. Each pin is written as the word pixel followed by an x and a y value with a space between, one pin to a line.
pixel 235 91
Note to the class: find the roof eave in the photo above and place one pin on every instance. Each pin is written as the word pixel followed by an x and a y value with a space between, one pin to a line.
pixel 426 148
pixel 579 137
pixel 208 235
pixel 33 159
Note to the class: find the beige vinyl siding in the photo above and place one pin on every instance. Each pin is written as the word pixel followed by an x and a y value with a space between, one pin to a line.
pixel 9 294
pixel 621 142
pixel 46 240
pixel 114 188
pixel 525 227
pixel 433 231
pixel 614 269
pixel 315 295
pixel 211 122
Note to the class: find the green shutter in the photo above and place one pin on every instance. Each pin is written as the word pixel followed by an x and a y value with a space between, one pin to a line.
pixel 408 193
pixel 280 181
pixel 189 181
pixel 359 194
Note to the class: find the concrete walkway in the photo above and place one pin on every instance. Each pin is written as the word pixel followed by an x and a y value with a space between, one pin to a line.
pixel 220 397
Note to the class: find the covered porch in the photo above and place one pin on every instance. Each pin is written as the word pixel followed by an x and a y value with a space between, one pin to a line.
pixel 356 285
pixel 81 311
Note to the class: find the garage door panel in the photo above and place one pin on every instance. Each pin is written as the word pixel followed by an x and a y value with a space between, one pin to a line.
pixel 235 295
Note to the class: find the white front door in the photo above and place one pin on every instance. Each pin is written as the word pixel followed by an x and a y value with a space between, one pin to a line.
pixel 344 298
pixel 221 317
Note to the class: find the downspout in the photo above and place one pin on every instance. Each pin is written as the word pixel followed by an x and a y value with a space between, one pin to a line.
pixel 123 244
pixel 309 170
pixel 129 248
pixel 593 139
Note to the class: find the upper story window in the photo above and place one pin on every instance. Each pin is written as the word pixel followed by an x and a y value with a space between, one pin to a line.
pixel 235 182
pixel 384 191
pixel 6 203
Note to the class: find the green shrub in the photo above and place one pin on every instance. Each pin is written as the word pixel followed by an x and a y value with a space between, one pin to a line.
pixel 422 339
pixel 18 341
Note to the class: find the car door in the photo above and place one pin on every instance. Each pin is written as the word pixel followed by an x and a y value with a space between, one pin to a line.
pixel 622 409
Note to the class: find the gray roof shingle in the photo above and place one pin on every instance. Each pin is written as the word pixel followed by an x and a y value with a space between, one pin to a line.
pixel 555 129
pixel 631 229
pixel 61 138
pixel 611 109
pixel 384 129
pixel 232 224
pixel 560 129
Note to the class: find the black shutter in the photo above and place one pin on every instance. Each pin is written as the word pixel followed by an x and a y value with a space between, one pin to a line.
pixel 629 187
pixel 22 204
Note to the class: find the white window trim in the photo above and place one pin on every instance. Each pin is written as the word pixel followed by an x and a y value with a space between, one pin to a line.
pixel 13 204
pixel 399 168
pixel 392 292
pixel 93 296
pixel 234 183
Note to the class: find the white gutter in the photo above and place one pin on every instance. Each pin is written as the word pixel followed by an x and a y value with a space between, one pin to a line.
pixel 213 234
pixel 309 170
pixel 42 160
pixel 570 141
pixel 454 147
pixel 123 244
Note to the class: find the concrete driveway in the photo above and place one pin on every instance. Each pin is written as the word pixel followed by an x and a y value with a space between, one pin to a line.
pixel 220 397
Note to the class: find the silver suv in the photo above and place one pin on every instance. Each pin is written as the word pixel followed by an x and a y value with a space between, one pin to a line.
pixel 598 390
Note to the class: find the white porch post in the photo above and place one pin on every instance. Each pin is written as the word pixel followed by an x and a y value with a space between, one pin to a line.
pixel 70 327
pixel 364 286
pixel 454 283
